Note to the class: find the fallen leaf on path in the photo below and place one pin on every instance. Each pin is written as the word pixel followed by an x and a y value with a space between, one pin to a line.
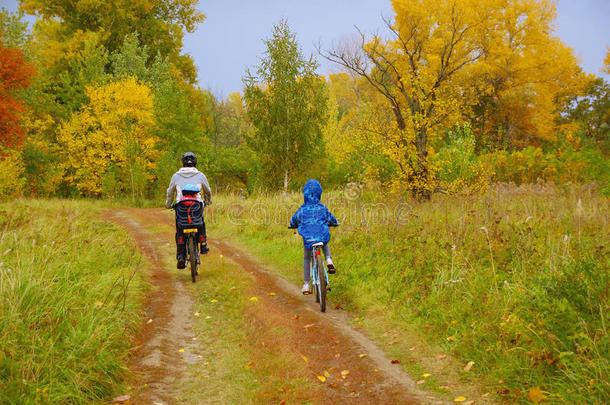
pixel 338 306
pixel 271 293
pixel 254 299
pixel 376 370
pixel 441 356
pixel 345 372
pixel 337 355
pixel 395 361
pixel 451 338
pixel 196 314
pixel 297 316
pixel 468 366
pixel 421 382
pixel 98 303
pixel 232 289
pixel 208 317
pixel 426 375
pixel 305 359
pixel 411 349
pixel 459 399
pixel 122 399
pixel 362 355
pixel 332 384
pixel 149 321
pixel 213 300
pixel 322 378
pixel 536 395
pixel 308 325
pixel 181 350
pixel 249 365
pixel 283 402
pixel 326 374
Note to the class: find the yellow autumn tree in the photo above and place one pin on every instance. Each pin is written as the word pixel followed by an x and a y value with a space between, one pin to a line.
pixel 527 70
pixel 606 68
pixel 419 76
pixel 443 58
pixel 108 145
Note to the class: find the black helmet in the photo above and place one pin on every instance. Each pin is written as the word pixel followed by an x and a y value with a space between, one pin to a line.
pixel 189 159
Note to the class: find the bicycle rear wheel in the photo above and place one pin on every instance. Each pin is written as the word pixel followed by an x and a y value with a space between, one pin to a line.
pixel 322 282
pixel 193 257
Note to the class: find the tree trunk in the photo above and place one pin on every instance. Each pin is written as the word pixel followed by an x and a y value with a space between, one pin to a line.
pixel 285 181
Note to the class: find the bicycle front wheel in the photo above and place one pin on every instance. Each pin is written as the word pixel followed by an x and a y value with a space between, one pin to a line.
pixel 193 258
pixel 321 283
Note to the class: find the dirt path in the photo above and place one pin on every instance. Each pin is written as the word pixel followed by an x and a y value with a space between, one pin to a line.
pixel 328 341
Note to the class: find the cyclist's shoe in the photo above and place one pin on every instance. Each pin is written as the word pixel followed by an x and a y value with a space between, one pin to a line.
pixel 331 268
pixel 306 290
pixel 181 264
pixel 204 249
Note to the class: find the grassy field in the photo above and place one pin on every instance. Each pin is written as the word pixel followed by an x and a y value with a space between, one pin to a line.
pixel 71 287
pixel 516 281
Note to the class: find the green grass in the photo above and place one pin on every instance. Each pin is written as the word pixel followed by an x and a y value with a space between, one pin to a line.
pixel 71 287
pixel 517 280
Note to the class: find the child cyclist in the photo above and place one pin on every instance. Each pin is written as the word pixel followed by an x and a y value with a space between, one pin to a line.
pixel 312 220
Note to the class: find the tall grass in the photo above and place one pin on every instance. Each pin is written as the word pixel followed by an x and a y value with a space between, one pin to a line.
pixel 516 280
pixel 70 296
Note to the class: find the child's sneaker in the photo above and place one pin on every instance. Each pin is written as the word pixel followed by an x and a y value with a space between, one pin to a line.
pixel 204 249
pixel 306 290
pixel 331 268
pixel 181 264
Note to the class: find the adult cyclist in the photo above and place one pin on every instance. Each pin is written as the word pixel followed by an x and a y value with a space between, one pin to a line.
pixel 188 174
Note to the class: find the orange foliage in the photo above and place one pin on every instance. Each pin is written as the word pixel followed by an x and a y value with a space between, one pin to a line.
pixel 15 74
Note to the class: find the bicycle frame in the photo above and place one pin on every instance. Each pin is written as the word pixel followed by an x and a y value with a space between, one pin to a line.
pixel 320 288
pixel 313 267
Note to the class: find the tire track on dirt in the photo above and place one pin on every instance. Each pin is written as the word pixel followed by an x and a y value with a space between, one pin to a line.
pixel 324 341
pixel 157 362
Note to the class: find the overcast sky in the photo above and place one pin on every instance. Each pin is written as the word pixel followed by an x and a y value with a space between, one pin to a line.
pixel 231 38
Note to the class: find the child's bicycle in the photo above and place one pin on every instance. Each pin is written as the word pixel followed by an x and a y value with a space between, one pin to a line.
pixel 318 275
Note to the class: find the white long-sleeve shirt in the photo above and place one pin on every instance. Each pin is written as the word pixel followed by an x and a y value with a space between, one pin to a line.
pixel 184 176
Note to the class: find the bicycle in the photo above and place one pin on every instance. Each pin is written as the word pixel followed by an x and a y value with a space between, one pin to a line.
pixel 189 219
pixel 192 252
pixel 319 275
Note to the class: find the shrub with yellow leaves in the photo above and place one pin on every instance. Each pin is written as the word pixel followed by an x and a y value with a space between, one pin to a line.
pixel 111 136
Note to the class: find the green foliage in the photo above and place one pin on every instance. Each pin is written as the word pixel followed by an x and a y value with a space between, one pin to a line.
pixel 85 68
pixel 592 112
pixel 70 301
pixel 561 166
pixel 287 105
pixel 15 33
pixel 457 155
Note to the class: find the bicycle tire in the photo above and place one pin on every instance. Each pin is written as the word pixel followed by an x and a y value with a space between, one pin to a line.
pixel 322 282
pixel 192 246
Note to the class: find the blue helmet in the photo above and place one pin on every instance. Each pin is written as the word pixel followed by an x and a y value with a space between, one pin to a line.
pixel 190 189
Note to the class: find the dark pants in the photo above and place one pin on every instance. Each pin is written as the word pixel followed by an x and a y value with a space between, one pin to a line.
pixel 181 239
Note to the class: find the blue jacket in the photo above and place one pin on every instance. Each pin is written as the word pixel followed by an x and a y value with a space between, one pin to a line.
pixel 313 218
